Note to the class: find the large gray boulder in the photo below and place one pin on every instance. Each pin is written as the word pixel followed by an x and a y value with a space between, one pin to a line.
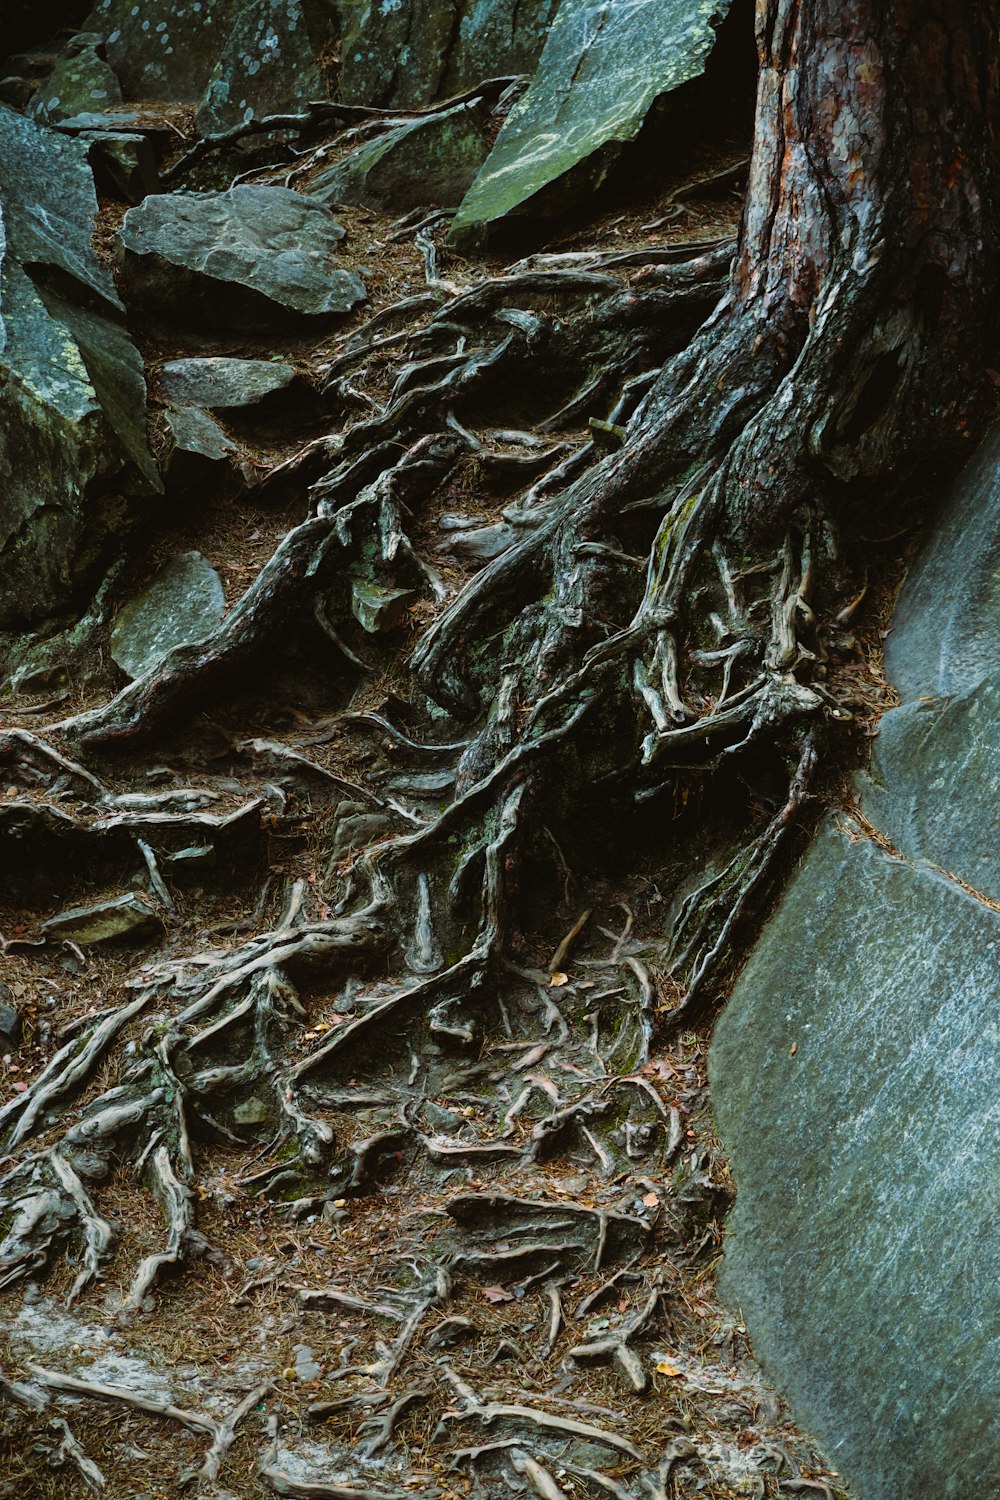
pixel 854 1069
pixel 164 49
pixel 250 258
pixel 74 465
pixel 601 70
pixel 410 53
pixel 276 58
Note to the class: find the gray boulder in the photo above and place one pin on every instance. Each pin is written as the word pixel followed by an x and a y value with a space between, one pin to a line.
pixel 854 1069
pixel 123 163
pixel 164 49
pixel 74 465
pixel 184 603
pixel 409 53
pixel 601 70
pixel 199 450
pixel 249 258
pixel 128 918
pixel 225 384
pixel 276 58
pixel 428 161
pixel 81 81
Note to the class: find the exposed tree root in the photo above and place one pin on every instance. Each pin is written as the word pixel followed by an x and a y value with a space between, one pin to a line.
pixel 642 611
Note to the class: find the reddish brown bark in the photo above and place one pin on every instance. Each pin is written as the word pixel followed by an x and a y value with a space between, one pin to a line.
pixel 861 316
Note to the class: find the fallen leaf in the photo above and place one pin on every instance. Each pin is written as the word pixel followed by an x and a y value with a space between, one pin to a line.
pixel 650 1200
pixel 793 1049
pixel 497 1294
pixel 558 980
pixel 665 1367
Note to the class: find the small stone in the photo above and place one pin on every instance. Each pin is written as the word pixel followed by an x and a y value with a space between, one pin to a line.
pixel 306 1367
pixel 252 1111
pixel 200 448
pixel 446 1121
pixel 125 164
pixel 89 1164
pixel 250 258
pixel 480 545
pixel 10 1021
pixel 191 858
pixel 225 384
pixel 128 917
pixel 590 1455
pixel 183 604
pixel 356 831
pixel 379 609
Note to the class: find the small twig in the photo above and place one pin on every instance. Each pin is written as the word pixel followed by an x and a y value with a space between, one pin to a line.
pixel 555 1318
pixel 560 955
pixel 539 1478
pixel 196 1421
pixel 226 1432
pixel 329 1297
pixel 72 1450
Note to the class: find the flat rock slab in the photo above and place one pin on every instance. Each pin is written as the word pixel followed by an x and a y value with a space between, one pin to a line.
pixel 252 257
pixel 184 603
pixel 935 784
pixel 854 1069
pixel 935 793
pixel 225 384
pixel 600 71
pixel 272 61
pixel 410 53
pixel 853 1075
pixel 127 918
pixel 432 161
pixel 944 630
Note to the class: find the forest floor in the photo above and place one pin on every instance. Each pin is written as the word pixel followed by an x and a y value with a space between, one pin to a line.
pixel 568 1342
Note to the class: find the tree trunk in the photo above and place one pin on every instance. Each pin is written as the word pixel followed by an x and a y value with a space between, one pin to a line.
pixel 862 303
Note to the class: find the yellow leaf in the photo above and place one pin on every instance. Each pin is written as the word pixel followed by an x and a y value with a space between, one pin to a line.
pixel 558 980
pixel 793 1049
pixel 666 1368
